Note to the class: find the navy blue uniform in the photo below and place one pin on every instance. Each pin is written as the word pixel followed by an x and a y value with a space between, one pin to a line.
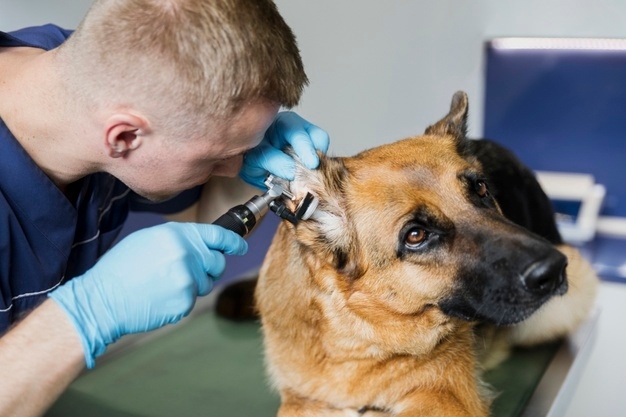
pixel 46 239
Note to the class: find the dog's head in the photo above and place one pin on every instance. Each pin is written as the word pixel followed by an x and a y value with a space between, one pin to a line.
pixel 412 226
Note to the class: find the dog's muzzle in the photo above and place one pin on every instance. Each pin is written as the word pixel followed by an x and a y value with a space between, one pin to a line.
pixel 546 276
pixel 508 282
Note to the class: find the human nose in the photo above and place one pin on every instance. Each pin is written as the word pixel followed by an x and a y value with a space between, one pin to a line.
pixel 228 167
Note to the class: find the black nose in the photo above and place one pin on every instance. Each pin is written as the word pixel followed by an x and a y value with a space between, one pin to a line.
pixel 546 275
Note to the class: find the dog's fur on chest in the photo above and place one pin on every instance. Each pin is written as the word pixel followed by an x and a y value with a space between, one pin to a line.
pixel 370 307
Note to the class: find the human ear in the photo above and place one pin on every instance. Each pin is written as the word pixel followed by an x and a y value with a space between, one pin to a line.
pixel 124 133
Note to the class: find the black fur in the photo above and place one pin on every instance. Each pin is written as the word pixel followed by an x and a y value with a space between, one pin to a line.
pixel 514 187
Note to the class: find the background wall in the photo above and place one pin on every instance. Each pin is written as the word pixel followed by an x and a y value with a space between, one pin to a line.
pixel 381 71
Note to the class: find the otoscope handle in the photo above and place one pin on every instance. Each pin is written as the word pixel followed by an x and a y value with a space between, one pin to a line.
pixel 240 219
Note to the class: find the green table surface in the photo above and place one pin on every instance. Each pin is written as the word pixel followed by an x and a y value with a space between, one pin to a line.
pixel 208 366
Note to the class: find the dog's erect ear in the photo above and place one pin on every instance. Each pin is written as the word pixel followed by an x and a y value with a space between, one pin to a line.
pixel 455 122
pixel 328 232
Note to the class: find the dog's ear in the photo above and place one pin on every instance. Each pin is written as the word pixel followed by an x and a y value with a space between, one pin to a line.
pixel 328 233
pixel 455 122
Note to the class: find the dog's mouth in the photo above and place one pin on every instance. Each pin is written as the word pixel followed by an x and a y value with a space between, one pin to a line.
pixel 501 314
pixel 509 297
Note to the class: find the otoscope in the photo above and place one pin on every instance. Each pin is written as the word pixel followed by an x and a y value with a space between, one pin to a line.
pixel 242 218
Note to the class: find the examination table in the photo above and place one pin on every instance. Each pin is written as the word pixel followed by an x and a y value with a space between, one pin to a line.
pixel 208 366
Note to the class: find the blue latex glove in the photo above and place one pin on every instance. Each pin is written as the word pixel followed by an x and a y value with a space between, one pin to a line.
pixel 288 129
pixel 149 279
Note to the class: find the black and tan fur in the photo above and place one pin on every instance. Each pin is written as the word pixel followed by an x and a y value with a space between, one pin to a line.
pixel 369 307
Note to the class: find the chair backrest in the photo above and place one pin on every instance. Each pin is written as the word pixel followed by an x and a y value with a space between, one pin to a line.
pixel 560 105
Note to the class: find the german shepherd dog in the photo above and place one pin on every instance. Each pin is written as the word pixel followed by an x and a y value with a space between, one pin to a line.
pixel 371 306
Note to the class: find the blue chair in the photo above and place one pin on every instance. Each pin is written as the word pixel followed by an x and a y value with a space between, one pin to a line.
pixel 560 105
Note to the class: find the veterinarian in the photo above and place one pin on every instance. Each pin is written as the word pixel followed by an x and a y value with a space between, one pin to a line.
pixel 140 108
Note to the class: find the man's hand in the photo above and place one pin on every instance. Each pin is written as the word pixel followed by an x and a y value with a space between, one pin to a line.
pixel 150 279
pixel 288 129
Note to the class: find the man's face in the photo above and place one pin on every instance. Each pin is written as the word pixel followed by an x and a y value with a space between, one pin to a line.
pixel 167 166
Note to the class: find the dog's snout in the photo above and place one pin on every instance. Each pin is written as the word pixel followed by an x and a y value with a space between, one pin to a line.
pixel 546 275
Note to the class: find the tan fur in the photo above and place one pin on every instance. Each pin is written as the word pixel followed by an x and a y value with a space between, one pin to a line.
pixel 349 326
pixel 361 362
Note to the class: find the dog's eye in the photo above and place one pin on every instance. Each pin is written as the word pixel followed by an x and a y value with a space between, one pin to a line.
pixel 415 237
pixel 481 189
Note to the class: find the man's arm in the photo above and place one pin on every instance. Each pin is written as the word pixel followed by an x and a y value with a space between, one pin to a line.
pixel 39 358
pixel 149 279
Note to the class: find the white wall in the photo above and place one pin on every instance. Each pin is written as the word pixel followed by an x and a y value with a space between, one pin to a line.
pixel 384 70
pixel 15 14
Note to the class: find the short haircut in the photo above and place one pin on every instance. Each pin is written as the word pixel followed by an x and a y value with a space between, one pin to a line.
pixel 186 57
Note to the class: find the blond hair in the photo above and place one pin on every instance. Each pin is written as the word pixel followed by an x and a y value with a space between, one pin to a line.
pixel 186 59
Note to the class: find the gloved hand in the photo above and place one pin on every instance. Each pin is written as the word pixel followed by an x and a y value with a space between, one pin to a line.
pixel 287 129
pixel 149 279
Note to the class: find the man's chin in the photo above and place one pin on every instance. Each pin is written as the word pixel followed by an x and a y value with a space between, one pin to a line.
pixel 155 198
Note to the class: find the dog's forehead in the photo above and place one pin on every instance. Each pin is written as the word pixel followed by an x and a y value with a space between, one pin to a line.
pixel 418 150
pixel 391 184
pixel 423 161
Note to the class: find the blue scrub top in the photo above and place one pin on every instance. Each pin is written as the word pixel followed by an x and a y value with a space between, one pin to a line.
pixel 44 238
